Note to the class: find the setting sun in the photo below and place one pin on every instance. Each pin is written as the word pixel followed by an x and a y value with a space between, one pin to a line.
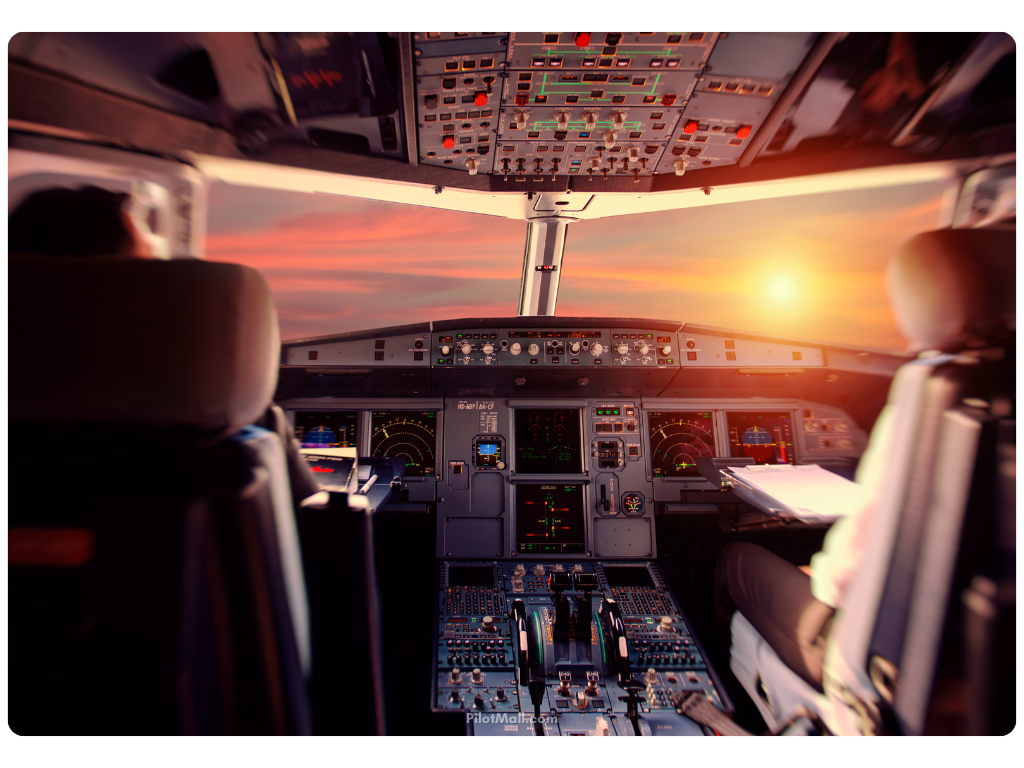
pixel 782 289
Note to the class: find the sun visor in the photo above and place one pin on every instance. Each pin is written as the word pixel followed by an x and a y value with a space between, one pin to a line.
pixel 114 341
pixel 955 288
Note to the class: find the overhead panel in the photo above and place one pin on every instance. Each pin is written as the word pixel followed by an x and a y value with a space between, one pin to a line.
pixel 536 105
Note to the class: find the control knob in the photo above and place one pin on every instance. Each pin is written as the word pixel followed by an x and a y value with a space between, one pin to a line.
pixel 471 166
pixel 644 349
pixel 478 701
pixel 456 676
pixel 609 139
pixel 622 349
pixel 574 347
pixel 519 118
pixel 515 349
pixel 478 676
pixel 651 677
pixel 500 694
pixel 559 568
pixel 666 624
pixel 488 349
pixel 666 350
pixel 618 120
pixel 581 700
pixel 488 623
pixel 563 120
pixel 680 166
pixel 590 120
pixel 538 571
pixel 445 349
pixel 533 349
pixel 563 688
pixel 466 349
pixel 596 349
pixel 602 727
pixel 520 569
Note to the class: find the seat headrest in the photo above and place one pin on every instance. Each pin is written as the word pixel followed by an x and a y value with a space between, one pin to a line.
pixel 955 288
pixel 113 341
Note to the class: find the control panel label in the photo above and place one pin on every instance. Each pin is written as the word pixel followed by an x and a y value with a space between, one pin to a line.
pixel 488 414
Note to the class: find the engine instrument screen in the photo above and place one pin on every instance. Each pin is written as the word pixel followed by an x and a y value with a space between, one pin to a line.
pixel 764 436
pixel 407 435
pixel 678 439
pixel 326 429
pixel 549 518
pixel 548 441
pixel 627 576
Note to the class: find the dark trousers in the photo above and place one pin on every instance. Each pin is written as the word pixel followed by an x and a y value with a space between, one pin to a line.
pixel 775 597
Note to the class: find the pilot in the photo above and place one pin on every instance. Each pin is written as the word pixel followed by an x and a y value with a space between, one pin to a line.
pixel 89 221
pixel 92 222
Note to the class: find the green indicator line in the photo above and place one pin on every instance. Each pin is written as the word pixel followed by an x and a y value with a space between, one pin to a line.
pixel 600 636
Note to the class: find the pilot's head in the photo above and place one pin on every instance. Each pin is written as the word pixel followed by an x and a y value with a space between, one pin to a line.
pixel 74 222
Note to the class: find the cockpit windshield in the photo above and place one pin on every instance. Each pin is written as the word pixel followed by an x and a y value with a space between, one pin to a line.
pixel 779 266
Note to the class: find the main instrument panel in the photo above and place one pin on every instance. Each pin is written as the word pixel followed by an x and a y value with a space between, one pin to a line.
pixel 553 616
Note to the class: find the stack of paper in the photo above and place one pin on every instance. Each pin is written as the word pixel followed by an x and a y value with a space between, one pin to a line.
pixel 808 492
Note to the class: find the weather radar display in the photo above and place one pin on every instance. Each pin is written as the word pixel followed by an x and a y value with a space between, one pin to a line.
pixel 678 439
pixel 407 435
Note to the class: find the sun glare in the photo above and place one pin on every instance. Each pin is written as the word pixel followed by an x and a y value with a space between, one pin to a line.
pixel 782 289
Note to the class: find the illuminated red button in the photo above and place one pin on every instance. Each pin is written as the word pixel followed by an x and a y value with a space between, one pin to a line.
pixel 448 142
pixel 582 39
pixel 480 100
pixel 743 131
pixel 668 100
pixel 690 127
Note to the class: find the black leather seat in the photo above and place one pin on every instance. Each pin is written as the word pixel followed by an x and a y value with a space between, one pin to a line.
pixel 155 579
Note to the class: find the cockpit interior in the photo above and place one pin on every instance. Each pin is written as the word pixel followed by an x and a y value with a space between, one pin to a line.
pixel 491 516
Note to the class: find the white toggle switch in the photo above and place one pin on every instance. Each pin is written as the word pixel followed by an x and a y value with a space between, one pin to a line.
pixel 471 166
pixel 618 120
pixel 634 154
pixel 609 139
pixel 680 166
pixel 590 120
pixel 563 120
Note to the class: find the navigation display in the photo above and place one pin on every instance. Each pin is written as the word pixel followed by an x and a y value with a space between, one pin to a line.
pixel 548 441
pixel 549 518
pixel 407 435
pixel 678 439
pixel 326 429
pixel 764 436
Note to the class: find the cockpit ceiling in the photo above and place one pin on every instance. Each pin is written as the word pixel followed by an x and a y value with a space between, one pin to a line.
pixel 540 112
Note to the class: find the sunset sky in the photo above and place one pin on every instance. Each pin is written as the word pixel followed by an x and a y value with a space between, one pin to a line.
pixel 810 266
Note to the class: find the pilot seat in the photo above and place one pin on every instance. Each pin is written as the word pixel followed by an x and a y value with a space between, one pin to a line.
pixel 928 615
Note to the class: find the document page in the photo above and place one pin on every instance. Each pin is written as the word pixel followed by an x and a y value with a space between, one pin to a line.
pixel 808 491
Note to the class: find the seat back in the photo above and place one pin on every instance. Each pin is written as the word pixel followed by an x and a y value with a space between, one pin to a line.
pixel 155 576
pixel 953 294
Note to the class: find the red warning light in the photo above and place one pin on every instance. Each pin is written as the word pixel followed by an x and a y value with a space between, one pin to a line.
pixel 690 127
pixel 321 469
pixel 743 132
pixel 448 142
pixel 481 99
pixel 582 39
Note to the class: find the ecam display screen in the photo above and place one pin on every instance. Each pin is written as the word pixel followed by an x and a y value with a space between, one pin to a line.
pixel 548 441
pixel 764 436
pixel 488 449
pixel 549 518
